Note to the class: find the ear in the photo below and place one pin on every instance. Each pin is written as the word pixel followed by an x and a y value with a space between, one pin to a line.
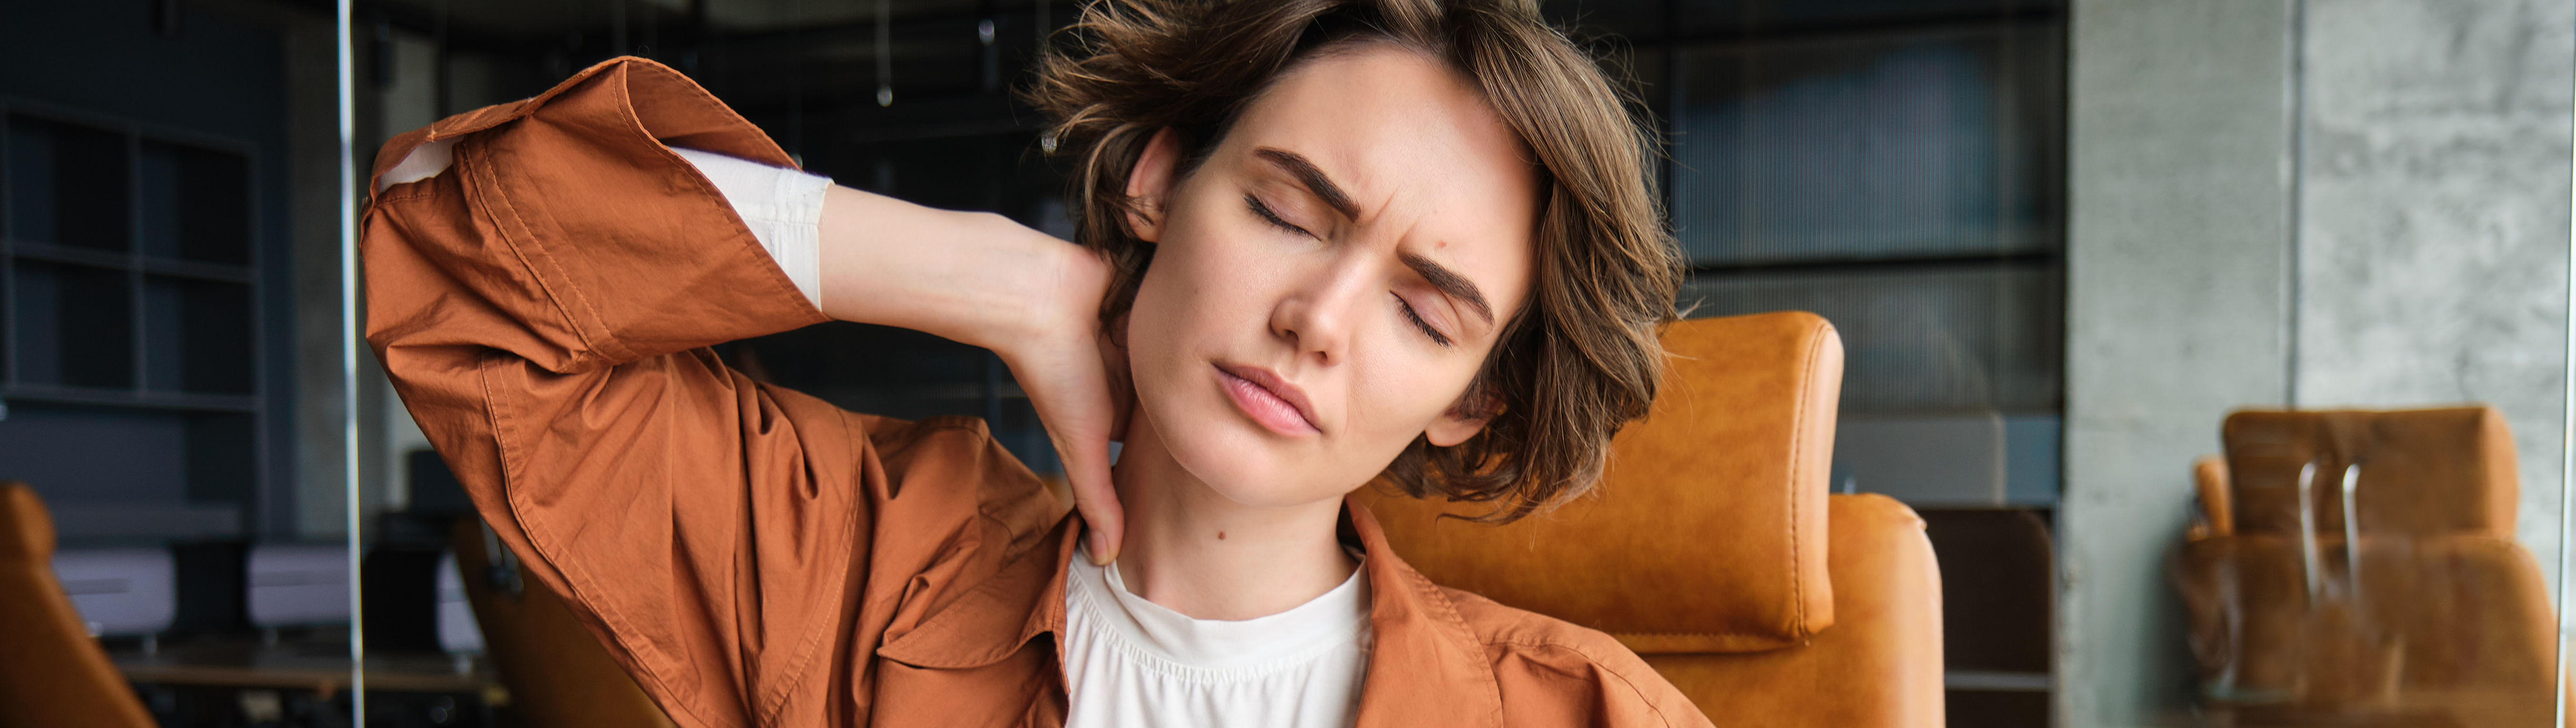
pixel 1456 425
pixel 1150 184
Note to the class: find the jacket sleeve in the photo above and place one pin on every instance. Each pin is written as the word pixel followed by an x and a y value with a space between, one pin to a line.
pixel 542 307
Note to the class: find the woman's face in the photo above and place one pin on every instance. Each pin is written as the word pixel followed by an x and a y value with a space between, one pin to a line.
pixel 1330 280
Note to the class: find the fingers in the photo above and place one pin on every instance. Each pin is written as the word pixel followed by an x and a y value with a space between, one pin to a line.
pixel 1086 470
pixel 1071 392
pixel 1080 417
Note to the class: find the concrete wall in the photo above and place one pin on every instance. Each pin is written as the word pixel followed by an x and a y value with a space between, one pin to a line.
pixel 2178 206
pixel 2321 203
pixel 2434 234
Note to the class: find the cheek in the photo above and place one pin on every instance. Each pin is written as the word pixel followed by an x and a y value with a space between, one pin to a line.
pixel 1180 309
pixel 1202 281
pixel 1401 396
pixel 1153 332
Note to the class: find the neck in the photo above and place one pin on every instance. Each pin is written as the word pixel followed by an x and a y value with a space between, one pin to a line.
pixel 1195 551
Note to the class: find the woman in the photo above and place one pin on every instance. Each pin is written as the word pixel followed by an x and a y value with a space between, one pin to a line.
pixel 1324 242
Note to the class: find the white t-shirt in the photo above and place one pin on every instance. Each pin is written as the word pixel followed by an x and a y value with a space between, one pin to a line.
pixel 1131 662
pixel 1127 661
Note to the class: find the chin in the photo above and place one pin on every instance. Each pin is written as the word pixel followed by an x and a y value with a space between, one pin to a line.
pixel 1241 464
pixel 1240 461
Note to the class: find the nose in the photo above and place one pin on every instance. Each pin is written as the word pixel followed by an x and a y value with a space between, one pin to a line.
pixel 1318 312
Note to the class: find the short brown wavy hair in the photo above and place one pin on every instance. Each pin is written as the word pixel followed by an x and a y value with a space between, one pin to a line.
pixel 1576 364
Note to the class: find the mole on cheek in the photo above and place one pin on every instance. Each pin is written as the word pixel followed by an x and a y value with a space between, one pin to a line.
pixel 1220 535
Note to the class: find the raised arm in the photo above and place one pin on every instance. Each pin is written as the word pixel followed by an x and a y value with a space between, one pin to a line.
pixel 970 277
pixel 542 303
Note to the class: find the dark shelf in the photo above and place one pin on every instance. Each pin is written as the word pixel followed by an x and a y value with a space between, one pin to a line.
pixel 83 315
pixel 69 184
pixel 94 396
pixel 200 271
pixel 130 299
pixel 49 252
pixel 30 250
pixel 2027 258
pixel 147 331
pixel 196 336
pixel 196 204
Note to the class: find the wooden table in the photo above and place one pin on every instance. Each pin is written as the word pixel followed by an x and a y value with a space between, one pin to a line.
pixel 320 669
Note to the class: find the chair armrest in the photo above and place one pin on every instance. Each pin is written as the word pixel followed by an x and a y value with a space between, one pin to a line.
pixel 2217 511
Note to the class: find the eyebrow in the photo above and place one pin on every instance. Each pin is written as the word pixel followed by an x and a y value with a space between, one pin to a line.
pixel 1313 178
pixel 1441 277
pixel 1449 282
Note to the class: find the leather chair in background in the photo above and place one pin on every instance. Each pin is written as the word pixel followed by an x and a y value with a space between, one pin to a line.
pixel 557 673
pixel 1713 550
pixel 2449 622
pixel 52 673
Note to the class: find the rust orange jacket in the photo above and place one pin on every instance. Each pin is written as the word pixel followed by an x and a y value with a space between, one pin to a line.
pixel 755 556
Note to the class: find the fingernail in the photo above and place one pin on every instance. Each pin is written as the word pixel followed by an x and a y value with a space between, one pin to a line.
pixel 1099 549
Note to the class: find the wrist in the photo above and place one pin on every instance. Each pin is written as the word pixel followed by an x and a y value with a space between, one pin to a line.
pixel 964 276
pixel 1053 289
pixel 971 277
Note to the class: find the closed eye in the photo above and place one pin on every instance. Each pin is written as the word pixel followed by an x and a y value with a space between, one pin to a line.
pixel 1264 211
pixel 1425 326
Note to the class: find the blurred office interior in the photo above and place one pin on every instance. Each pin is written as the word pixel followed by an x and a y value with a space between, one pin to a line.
pixel 2061 240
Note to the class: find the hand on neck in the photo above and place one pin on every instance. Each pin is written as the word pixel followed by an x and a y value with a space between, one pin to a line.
pixel 1195 551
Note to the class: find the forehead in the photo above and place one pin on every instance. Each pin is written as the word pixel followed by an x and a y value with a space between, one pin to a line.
pixel 1414 144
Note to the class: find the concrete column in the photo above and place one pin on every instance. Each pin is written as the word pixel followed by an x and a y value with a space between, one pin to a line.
pixel 2179 203
pixel 2434 232
pixel 313 161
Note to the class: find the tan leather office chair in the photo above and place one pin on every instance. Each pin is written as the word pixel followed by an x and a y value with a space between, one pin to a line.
pixel 557 673
pixel 2448 622
pixel 1713 549
pixel 51 672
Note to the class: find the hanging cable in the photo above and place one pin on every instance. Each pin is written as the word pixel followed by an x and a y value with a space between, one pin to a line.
pixel 885 53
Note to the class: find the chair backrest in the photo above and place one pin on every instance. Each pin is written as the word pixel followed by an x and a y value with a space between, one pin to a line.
pixel 2423 472
pixel 52 672
pixel 2425 612
pixel 557 672
pixel 1719 491
pixel 1712 549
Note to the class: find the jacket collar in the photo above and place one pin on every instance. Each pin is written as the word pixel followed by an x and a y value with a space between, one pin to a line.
pixel 1425 665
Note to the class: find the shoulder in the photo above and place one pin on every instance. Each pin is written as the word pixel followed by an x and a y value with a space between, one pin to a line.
pixel 1550 667
pixel 940 485
pixel 953 467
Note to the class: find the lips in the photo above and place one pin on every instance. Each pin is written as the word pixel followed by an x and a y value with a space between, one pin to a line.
pixel 1277 405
